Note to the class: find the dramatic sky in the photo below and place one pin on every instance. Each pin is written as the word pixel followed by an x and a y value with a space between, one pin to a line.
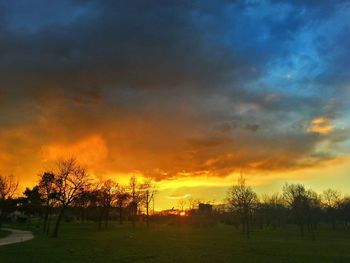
pixel 189 93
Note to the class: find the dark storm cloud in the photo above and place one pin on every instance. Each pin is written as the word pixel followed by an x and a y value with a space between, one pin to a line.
pixel 176 86
pixel 137 44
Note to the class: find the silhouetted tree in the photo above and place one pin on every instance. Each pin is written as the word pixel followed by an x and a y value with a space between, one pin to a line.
pixel 136 196
pixel 85 202
pixel 193 203
pixel 344 211
pixel 297 199
pixel 134 200
pixel 304 205
pixel 273 210
pixel 93 205
pixel 122 198
pixel 149 190
pixel 47 192
pixel 70 182
pixel 313 211
pixel 243 200
pixel 32 201
pixel 8 188
pixel 331 200
pixel 181 204
pixel 107 196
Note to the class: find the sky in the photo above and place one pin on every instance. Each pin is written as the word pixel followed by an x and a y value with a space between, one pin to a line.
pixel 188 93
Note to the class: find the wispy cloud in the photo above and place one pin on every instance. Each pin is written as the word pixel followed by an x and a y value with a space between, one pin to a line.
pixel 320 125
pixel 178 196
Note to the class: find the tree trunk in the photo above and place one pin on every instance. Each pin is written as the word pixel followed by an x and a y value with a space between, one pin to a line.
pixel 147 208
pixel 133 214
pixel 106 217
pixel 313 234
pixel 100 217
pixel 301 226
pixel 243 226
pixel 247 226
pixel 333 222
pixel 46 217
pixel 82 214
pixel 48 226
pixel 58 222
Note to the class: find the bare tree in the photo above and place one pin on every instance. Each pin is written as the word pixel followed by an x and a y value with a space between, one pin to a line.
pixel 243 200
pixel 193 203
pixel 85 201
pixel 181 204
pixel 8 188
pixel 273 209
pixel 330 200
pixel 133 184
pixel 122 197
pixel 70 181
pixel 107 197
pixel 344 211
pixel 149 190
pixel 47 192
pixel 304 205
pixel 137 195
pixel 296 197
pixel 331 197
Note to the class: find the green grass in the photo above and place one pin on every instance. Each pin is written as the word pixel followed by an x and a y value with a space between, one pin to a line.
pixel 162 243
pixel 4 233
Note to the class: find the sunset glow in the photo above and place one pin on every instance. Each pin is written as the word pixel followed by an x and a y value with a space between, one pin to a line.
pixel 188 95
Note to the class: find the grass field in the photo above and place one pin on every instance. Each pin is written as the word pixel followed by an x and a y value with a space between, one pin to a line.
pixel 162 243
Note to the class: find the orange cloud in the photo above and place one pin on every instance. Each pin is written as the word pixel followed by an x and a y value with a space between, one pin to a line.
pixel 320 125
pixel 90 151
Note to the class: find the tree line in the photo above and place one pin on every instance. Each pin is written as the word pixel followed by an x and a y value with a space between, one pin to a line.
pixel 69 187
pixel 68 191
pixel 294 205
